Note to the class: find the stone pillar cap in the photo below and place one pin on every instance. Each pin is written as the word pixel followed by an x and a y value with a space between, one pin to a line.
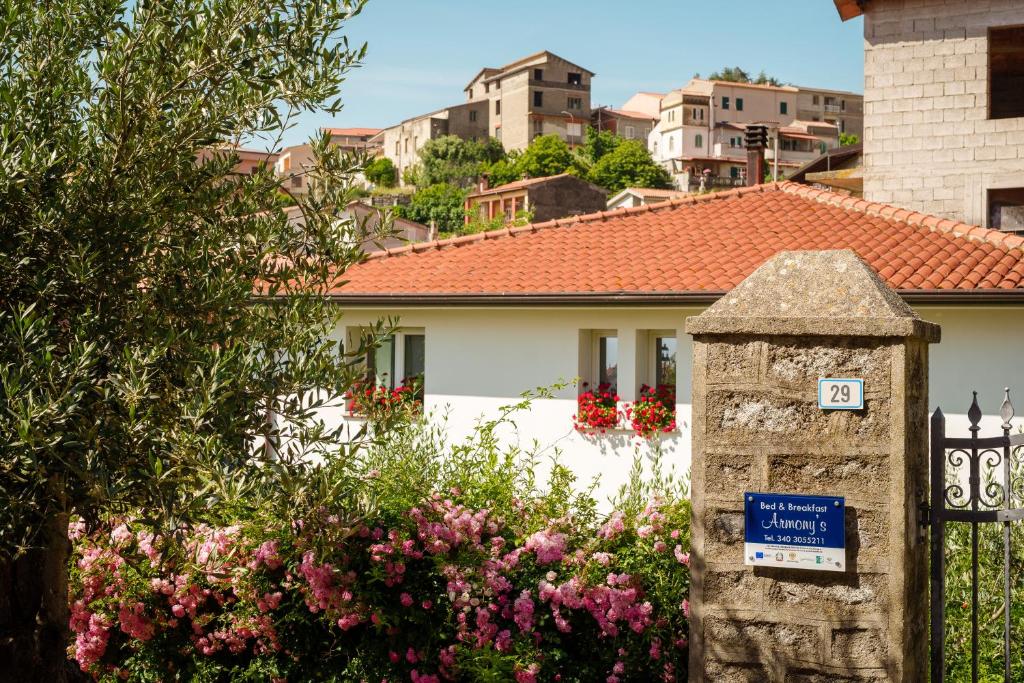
pixel 820 293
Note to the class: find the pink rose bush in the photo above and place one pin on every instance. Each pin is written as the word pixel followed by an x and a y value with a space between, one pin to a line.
pixel 442 590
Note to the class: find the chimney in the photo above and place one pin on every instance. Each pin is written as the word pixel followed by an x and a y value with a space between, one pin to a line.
pixel 485 183
pixel 756 138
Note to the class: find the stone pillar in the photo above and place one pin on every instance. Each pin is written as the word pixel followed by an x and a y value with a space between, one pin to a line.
pixel 758 354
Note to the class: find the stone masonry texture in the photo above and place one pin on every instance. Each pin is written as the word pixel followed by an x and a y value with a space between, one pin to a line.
pixel 929 144
pixel 758 354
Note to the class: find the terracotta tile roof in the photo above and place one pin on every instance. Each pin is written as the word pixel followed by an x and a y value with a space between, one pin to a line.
pixel 654 192
pixel 695 245
pixel 353 131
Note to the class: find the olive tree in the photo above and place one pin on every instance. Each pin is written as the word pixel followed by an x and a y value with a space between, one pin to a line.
pixel 156 306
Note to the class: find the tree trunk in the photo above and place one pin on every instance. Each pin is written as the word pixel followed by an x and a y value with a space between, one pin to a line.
pixel 34 611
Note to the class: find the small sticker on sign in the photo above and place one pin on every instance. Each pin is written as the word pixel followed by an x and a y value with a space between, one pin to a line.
pixel 840 394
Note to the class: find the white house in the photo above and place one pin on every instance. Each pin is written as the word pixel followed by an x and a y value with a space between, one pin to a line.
pixel 604 297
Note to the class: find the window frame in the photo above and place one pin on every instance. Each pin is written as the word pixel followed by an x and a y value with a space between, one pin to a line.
pixel 538 98
pixel 590 358
pixel 725 102
pixel 399 352
pixel 647 364
pixel 784 108
pixel 739 104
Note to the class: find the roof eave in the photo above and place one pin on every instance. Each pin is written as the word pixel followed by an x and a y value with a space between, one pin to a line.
pixel 848 9
pixel 687 298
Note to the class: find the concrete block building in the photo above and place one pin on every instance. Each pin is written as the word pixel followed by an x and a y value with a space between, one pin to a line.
pixel 944 107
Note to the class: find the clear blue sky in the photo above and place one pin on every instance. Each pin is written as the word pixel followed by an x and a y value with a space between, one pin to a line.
pixel 423 52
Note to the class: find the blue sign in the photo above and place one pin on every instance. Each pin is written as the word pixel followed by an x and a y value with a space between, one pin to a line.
pixel 795 531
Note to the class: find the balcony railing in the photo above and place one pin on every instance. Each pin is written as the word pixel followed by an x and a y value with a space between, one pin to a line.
pixel 715 181
pixel 833 108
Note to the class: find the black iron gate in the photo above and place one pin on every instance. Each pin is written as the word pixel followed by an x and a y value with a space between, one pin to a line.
pixel 991 492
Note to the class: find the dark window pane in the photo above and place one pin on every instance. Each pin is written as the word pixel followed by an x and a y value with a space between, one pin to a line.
pixel 608 370
pixel 1006 209
pixel 1006 72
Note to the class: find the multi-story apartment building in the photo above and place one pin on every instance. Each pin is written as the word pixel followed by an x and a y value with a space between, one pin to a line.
pixel 355 139
pixel 540 94
pixel 944 107
pixel 402 143
pixel 843 109
pixel 701 126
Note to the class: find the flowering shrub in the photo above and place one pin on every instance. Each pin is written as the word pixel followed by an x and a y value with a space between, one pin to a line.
pixel 596 409
pixel 437 593
pixel 381 404
pixel 460 569
pixel 654 411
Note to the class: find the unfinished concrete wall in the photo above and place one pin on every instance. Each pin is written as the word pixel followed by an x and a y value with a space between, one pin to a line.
pixel 758 354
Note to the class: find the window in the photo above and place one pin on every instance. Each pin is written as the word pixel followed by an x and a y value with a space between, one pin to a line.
pixel 497 107
pixel 1006 209
pixel 671 143
pixel 599 359
pixel 575 103
pixel 497 84
pixel 656 362
pixel 734 172
pixel 399 359
pixel 842 105
pixel 783 108
pixel 538 127
pixel 487 87
pixel 739 104
pixel 407 145
pixel 814 100
pixel 575 78
pixel 630 132
pixel 296 181
pixel 698 140
pixel 398 148
pixel 472 116
pixel 470 93
pixel 538 74
pixel 538 98
pixel 1006 72
pixel 725 103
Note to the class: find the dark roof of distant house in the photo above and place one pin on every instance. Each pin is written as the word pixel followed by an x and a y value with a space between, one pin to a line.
pixel 829 160
pixel 526 182
pixel 691 250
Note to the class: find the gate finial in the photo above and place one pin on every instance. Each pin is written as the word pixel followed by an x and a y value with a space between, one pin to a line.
pixel 1006 410
pixel 974 414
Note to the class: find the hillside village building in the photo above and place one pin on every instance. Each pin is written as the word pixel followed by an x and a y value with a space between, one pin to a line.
pixel 545 199
pixel 541 94
pixel 699 135
pixel 294 162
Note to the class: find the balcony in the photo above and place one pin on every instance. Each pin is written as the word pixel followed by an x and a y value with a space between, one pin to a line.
pixel 833 108
pixel 714 182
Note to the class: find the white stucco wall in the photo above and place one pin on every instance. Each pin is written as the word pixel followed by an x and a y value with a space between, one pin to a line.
pixel 478 360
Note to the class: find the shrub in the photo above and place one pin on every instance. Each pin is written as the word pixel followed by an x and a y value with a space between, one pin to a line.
pixel 381 172
pixel 458 568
